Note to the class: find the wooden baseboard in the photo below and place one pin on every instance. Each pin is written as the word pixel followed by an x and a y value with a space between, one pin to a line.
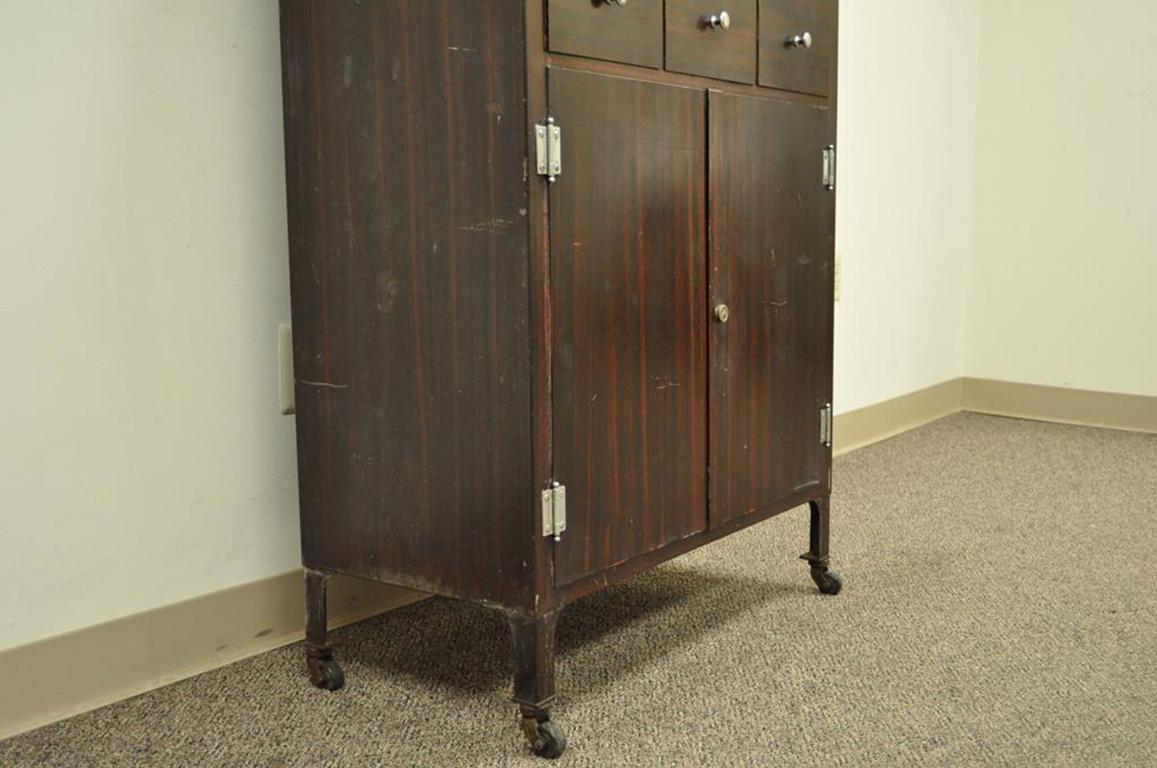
pixel 73 673
pixel 1135 413
pixel 62 676
pixel 856 429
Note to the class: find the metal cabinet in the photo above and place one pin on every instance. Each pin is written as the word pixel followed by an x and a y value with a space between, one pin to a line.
pixel 562 295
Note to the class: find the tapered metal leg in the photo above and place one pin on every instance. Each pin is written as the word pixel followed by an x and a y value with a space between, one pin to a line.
pixel 817 556
pixel 534 663
pixel 324 671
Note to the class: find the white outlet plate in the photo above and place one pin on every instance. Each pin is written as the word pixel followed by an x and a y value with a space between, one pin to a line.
pixel 285 368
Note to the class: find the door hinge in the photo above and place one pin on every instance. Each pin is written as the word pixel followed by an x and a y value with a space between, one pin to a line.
pixel 548 145
pixel 554 511
pixel 826 425
pixel 830 167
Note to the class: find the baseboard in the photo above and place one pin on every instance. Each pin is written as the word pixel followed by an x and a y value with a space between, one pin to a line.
pixel 65 675
pixel 856 429
pixel 1135 413
pixel 62 676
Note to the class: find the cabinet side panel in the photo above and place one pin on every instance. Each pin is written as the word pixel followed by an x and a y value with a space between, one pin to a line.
pixel 405 149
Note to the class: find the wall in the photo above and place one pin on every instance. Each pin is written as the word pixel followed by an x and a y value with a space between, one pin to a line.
pixel 144 275
pixel 1065 254
pixel 142 281
pixel 905 194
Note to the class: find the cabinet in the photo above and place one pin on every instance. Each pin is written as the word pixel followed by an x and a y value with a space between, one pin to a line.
pixel 517 388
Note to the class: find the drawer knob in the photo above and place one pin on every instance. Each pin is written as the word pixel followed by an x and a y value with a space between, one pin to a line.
pixel 722 313
pixel 802 40
pixel 615 2
pixel 721 20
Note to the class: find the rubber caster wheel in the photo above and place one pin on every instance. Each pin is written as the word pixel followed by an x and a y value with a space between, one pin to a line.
pixel 829 582
pixel 546 737
pixel 326 674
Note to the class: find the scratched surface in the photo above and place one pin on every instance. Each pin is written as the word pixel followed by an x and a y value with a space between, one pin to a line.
pixel 772 250
pixel 408 237
pixel 628 275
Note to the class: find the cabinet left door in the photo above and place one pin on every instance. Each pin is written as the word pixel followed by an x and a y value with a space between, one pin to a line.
pixel 628 288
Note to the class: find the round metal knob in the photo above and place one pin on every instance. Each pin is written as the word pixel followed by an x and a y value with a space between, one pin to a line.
pixel 721 20
pixel 722 313
pixel 615 2
pixel 802 40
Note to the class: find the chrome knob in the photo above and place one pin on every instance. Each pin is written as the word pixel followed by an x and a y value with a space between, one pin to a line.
pixel 615 2
pixel 721 20
pixel 803 40
pixel 722 313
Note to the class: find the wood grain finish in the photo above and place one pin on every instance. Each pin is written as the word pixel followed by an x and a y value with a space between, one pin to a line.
pixel 695 48
pixel 628 286
pixel 630 33
pixel 772 248
pixel 409 265
pixel 793 68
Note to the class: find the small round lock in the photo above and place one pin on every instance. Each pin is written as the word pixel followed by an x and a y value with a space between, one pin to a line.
pixel 721 20
pixel 802 40
pixel 722 313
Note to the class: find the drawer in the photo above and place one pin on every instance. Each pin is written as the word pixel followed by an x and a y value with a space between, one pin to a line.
pixel 712 38
pixel 628 31
pixel 797 44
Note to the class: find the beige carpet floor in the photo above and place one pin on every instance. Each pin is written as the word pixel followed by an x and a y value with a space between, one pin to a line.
pixel 998 610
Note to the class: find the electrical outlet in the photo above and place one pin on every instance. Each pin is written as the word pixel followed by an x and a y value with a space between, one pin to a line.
pixel 285 368
pixel 839 273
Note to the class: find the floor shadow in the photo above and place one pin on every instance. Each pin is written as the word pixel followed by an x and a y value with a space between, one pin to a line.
pixel 466 647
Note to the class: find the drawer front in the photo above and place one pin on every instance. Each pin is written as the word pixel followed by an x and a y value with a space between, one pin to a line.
pixel 712 38
pixel 630 32
pixel 797 44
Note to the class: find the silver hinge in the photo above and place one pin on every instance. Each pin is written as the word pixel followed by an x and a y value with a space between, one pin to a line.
pixel 554 511
pixel 826 425
pixel 830 167
pixel 548 144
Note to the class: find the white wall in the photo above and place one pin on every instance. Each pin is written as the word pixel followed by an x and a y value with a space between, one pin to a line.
pixel 1061 291
pixel 144 274
pixel 142 278
pixel 905 194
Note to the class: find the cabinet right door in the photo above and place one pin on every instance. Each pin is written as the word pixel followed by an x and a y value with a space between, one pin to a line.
pixel 772 226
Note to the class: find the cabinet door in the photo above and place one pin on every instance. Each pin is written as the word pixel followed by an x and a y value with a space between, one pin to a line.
pixel 772 248
pixel 628 284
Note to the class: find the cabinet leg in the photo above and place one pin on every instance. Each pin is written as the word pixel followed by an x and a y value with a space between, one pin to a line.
pixel 533 638
pixel 324 671
pixel 817 555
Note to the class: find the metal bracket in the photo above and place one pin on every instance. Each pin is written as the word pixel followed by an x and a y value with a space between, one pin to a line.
pixel 830 167
pixel 548 145
pixel 826 425
pixel 554 511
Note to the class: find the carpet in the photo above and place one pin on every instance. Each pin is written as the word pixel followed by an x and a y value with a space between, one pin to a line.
pixel 998 609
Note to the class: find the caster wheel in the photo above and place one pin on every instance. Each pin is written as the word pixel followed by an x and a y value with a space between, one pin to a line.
pixel 546 738
pixel 326 674
pixel 829 582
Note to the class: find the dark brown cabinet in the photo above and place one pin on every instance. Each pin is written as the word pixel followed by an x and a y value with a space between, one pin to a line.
pixel 562 294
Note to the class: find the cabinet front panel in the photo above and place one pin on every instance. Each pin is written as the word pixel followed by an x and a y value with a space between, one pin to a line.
pixel 712 38
pixel 628 278
pixel 797 44
pixel 772 249
pixel 631 33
